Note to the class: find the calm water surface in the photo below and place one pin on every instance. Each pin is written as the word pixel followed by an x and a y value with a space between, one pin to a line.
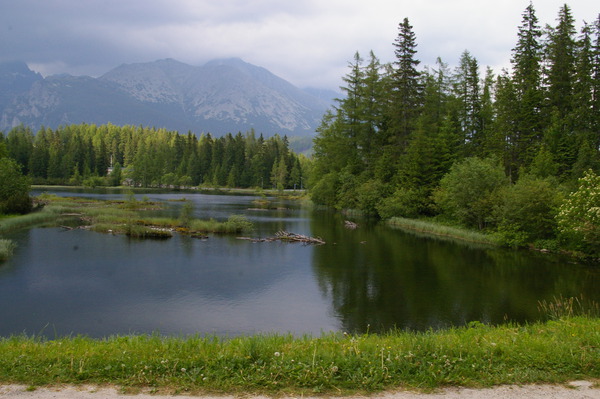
pixel 78 282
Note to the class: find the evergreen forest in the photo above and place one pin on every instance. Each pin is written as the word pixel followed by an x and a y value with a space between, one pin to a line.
pixel 515 153
pixel 110 155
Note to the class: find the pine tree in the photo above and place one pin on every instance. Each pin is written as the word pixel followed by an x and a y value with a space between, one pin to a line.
pixel 487 114
pixel 19 142
pixel 406 99
pixel 505 142
pixel 371 135
pixel 38 162
pixel 582 114
pixel 561 55
pixel 468 92
pixel 595 107
pixel 560 78
pixel 527 80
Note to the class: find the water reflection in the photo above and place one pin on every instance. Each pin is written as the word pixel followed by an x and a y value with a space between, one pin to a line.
pixel 78 282
pixel 98 285
pixel 379 278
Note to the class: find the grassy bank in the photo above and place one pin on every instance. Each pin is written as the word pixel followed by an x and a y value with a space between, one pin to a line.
pixel 115 217
pixel 129 217
pixel 477 355
pixel 14 222
pixel 455 233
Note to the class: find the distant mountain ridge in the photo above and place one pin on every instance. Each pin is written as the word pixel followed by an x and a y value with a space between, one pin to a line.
pixel 222 96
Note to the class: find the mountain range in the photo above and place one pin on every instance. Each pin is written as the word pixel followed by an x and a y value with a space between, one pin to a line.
pixel 222 96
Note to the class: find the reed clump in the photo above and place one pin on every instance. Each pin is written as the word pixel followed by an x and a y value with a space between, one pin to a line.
pixel 12 223
pixel 561 307
pixel 440 230
pixel 7 248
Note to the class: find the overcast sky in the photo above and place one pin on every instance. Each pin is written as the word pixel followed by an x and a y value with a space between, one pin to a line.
pixel 307 42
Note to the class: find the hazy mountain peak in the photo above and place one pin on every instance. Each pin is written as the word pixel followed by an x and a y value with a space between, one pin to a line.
pixel 222 96
pixel 15 78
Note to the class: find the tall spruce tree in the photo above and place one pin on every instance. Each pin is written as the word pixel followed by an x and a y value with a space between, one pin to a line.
pixel 371 137
pixel 596 80
pixel 527 80
pixel 406 86
pixel 468 93
pixel 582 88
pixel 595 108
pixel 505 142
pixel 561 55
pixel 352 110
pixel 560 76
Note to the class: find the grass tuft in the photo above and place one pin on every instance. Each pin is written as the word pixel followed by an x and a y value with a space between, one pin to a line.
pixel 560 308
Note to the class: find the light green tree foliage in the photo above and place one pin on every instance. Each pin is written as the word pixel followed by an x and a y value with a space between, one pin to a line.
pixel 116 177
pixel 469 192
pixel 579 216
pixel 369 196
pixel 185 181
pixel 324 191
pixel 187 213
pixel 404 202
pixel 543 164
pixel 94 181
pixel 527 210
pixel 14 188
pixel 169 179
pixel 279 174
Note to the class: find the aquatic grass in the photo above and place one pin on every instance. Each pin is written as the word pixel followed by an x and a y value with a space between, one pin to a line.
pixel 7 248
pixel 233 225
pixel 560 307
pixel 206 226
pixel 476 355
pixel 440 230
pixel 126 217
pixel 137 231
pixel 160 222
pixel 22 221
pixel 238 224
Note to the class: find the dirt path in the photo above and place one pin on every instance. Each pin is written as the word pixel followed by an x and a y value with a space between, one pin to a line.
pixel 574 390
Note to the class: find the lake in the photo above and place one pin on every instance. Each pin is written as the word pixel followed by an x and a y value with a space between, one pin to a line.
pixel 374 278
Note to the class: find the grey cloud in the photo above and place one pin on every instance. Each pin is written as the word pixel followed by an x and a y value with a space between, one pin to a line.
pixel 308 42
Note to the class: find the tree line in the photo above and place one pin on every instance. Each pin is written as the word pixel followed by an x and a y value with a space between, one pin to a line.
pixel 483 150
pixel 149 157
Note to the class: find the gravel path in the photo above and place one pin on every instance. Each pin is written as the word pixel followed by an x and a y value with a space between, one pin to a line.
pixel 574 390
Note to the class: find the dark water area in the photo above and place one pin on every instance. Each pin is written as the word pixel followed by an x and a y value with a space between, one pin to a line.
pixel 374 278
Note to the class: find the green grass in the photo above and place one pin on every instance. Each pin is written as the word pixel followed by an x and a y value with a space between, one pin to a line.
pixel 22 221
pixel 120 217
pixel 6 249
pixel 476 355
pixel 233 225
pixel 433 228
